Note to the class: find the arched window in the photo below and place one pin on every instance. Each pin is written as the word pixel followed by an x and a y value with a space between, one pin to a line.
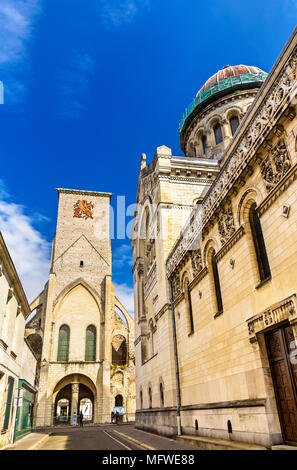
pixel 217 286
pixel 234 123
pixel 204 143
pixel 63 344
pixel 90 343
pixel 189 305
pixel 259 244
pixel 218 133
pixel 161 395
pixel 119 400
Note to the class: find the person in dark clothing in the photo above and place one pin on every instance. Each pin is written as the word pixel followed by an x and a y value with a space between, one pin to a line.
pixel 81 418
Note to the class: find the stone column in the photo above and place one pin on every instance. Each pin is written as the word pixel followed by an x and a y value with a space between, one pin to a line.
pixel 226 129
pixel 74 397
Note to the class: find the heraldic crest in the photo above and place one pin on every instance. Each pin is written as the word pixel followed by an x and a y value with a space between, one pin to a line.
pixel 83 209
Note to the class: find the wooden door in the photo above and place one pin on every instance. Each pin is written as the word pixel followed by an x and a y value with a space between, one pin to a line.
pixel 284 374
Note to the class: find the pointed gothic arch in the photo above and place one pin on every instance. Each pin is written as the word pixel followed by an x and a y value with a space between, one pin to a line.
pixel 78 282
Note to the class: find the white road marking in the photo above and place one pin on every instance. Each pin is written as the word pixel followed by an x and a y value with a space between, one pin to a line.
pixel 109 435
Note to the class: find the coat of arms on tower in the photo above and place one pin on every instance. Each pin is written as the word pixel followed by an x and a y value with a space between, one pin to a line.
pixel 83 209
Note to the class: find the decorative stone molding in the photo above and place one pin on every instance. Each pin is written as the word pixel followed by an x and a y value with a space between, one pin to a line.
pixel 196 261
pixel 278 190
pixel 226 224
pixel 9 294
pixel 198 278
pixel 250 402
pixel 275 165
pixel 176 286
pixel 83 192
pixel 3 345
pixel 231 242
pixel 161 312
pixel 279 312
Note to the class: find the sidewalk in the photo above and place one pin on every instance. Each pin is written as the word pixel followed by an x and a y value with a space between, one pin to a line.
pixel 30 442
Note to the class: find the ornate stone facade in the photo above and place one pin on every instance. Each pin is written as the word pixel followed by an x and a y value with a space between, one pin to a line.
pixel 275 164
pixel 231 265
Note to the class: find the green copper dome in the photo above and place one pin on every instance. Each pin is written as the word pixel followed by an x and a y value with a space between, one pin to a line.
pixel 225 81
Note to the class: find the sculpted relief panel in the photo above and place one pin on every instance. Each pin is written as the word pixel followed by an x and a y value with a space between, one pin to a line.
pixel 275 165
pixel 226 224
pixel 196 261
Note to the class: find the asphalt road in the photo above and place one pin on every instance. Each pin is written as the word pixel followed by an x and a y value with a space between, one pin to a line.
pixel 88 439
pixel 107 438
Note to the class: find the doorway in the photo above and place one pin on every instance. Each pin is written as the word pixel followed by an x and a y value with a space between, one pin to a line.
pixel 284 374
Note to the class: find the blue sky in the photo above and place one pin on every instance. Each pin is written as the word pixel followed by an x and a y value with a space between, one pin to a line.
pixel 91 84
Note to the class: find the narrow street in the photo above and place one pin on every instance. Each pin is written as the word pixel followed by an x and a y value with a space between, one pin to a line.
pixel 108 437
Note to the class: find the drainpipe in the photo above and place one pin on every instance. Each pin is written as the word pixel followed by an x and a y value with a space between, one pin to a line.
pixel 176 362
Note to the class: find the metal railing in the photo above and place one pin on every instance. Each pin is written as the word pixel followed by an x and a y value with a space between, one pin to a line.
pixel 88 420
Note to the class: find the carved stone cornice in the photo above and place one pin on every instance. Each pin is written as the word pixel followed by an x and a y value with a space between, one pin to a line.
pixel 83 192
pixel 179 298
pixel 199 277
pixel 161 312
pixel 138 339
pixel 234 239
pixel 138 265
pixel 279 312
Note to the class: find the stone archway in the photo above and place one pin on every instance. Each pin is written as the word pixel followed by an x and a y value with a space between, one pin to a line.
pixel 77 389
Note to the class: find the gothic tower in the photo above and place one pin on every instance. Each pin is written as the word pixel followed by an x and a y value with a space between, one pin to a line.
pixel 86 361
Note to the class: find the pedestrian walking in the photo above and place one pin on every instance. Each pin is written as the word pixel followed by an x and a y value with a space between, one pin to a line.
pixel 81 419
pixel 113 417
pixel 117 417
pixel 74 418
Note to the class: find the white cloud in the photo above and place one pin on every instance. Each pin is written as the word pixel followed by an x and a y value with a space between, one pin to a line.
pixel 125 294
pixel 16 25
pixel 73 82
pixel 118 12
pixel 122 256
pixel 28 249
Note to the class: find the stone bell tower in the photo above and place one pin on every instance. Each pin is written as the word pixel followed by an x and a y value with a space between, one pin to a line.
pixel 77 312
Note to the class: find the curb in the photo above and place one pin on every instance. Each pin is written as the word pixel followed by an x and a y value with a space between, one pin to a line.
pixel 38 443
pixel 32 447
pixel 135 441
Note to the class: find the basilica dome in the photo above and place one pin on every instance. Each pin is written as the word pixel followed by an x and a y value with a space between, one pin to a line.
pixel 249 71
pixel 229 79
